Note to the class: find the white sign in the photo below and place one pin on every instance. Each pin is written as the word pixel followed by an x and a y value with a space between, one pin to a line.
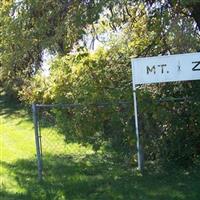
pixel 170 68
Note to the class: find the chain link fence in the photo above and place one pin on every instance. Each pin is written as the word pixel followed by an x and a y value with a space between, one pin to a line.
pixel 58 125
pixel 167 130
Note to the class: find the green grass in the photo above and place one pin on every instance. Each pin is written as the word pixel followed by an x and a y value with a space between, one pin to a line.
pixel 78 172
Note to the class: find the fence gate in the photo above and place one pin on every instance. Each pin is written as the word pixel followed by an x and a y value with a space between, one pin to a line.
pixel 51 146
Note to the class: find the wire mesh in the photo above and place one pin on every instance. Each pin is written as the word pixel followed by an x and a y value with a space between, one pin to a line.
pixel 168 131
pixel 164 130
pixel 62 125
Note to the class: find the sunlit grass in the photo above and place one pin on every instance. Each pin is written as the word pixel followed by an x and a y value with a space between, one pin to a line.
pixel 17 142
pixel 17 139
pixel 54 143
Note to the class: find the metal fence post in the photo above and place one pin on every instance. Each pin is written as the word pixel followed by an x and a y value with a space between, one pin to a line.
pixel 37 141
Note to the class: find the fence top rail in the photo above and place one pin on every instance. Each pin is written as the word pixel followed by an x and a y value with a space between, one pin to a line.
pixel 106 104
pixel 83 105
pixel 173 99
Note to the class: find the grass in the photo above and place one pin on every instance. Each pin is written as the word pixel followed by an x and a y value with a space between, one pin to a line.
pixel 78 172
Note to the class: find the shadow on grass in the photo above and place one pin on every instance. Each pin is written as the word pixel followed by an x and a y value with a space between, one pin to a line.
pixel 10 108
pixel 96 177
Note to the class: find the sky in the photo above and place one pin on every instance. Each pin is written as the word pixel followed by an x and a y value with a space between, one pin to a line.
pixel 47 59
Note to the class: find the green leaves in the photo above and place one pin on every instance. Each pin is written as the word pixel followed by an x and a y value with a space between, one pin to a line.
pixel 131 28
pixel 29 27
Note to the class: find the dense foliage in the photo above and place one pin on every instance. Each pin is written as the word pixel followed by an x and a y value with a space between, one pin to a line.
pixel 169 130
pixel 31 26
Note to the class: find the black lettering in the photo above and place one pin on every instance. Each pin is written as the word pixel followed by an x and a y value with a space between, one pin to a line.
pixel 195 67
pixel 151 69
pixel 162 68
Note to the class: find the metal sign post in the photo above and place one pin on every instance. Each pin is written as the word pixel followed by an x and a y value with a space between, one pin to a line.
pixel 139 149
pixel 160 69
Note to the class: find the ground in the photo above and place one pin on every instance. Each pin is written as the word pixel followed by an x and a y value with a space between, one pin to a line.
pixel 79 173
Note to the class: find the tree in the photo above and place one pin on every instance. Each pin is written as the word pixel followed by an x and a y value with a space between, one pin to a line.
pixel 29 27
pixel 105 76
